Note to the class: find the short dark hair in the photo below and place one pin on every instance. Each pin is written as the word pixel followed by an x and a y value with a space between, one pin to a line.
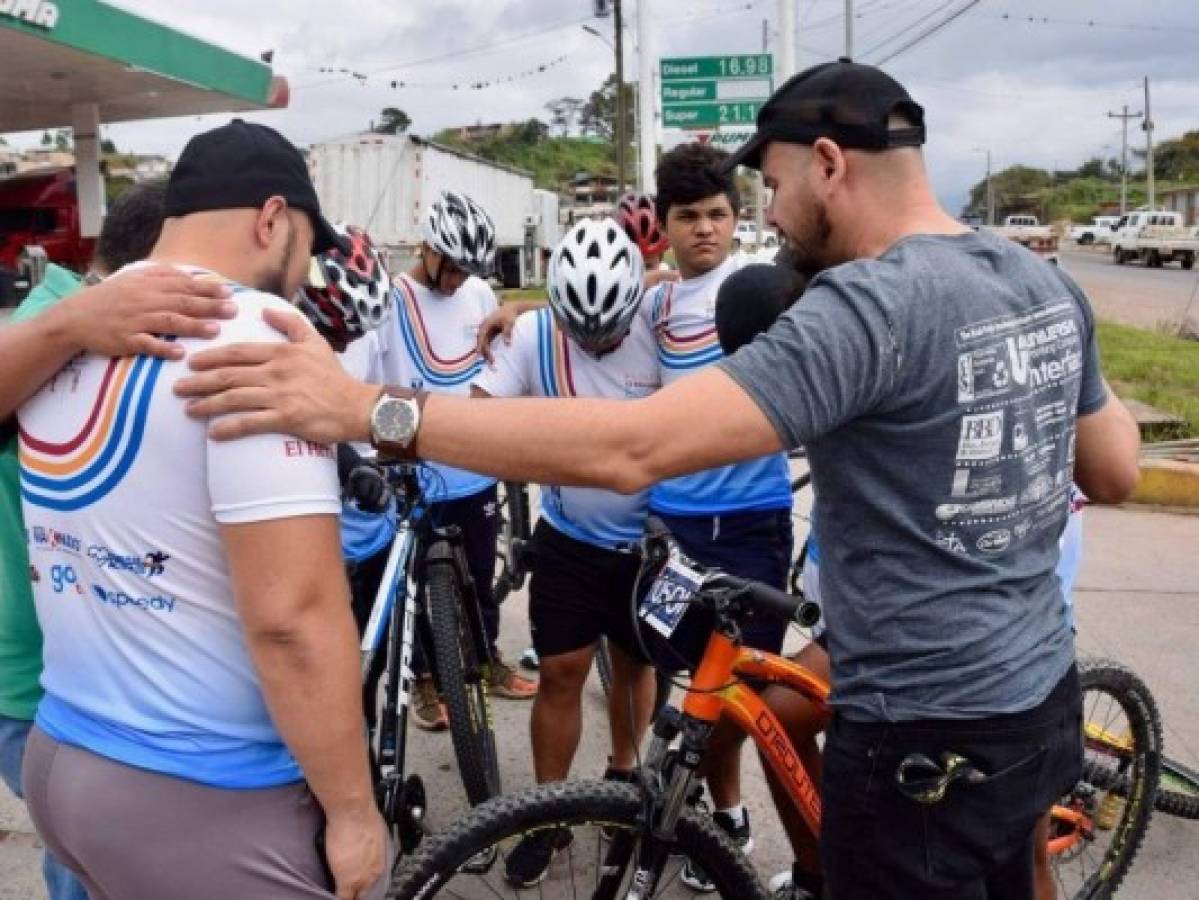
pixel 751 300
pixel 132 226
pixel 690 173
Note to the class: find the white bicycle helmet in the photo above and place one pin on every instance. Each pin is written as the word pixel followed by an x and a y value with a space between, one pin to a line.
pixel 596 278
pixel 461 231
pixel 347 295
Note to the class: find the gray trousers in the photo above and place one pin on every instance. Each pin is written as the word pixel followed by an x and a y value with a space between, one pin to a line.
pixel 130 834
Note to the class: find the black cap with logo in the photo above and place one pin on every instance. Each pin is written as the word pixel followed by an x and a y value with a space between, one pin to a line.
pixel 240 166
pixel 846 102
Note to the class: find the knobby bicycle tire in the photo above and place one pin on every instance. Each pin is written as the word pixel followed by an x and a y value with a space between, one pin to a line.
pixel 603 665
pixel 440 857
pixel 1178 790
pixel 463 687
pixel 1138 768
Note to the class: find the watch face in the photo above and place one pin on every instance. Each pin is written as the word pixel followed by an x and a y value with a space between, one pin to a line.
pixel 395 421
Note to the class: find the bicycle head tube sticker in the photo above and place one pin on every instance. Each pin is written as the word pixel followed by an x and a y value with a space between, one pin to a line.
pixel 673 589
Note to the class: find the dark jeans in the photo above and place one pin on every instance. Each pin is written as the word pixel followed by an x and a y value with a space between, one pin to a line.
pixel 476 517
pixel 977 842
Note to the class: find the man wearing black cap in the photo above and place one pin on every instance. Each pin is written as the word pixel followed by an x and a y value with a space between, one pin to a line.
pixel 202 725
pixel 946 385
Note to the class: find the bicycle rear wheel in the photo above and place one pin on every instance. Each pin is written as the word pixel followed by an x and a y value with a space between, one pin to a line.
pixel 603 665
pixel 491 831
pixel 462 680
pixel 1114 801
pixel 1178 790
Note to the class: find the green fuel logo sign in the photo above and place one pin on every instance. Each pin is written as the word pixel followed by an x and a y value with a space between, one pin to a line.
pixel 42 13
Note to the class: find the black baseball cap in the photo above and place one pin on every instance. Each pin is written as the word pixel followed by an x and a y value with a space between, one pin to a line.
pixel 240 166
pixel 846 102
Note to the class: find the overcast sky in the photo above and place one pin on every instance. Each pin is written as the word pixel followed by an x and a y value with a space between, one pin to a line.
pixel 1035 93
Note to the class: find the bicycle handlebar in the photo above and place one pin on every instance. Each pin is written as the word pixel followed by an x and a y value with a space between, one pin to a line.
pixel 658 544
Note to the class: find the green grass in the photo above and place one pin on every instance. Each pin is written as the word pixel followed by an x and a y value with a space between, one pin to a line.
pixel 1154 368
pixel 507 296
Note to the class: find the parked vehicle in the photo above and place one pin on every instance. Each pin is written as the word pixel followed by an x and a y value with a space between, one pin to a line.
pixel 1154 237
pixel 39 209
pixel 383 183
pixel 1099 231
pixel 1029 232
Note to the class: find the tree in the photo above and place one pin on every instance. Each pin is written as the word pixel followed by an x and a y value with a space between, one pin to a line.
pixel 599 113
pixel 108 146
pixel 392 121
pixel 1016 190
pixel 532 131
pixel 1092 168
pixel 1177 159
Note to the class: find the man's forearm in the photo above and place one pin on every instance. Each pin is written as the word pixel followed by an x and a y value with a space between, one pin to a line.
pixel 30 353
pixel 310 678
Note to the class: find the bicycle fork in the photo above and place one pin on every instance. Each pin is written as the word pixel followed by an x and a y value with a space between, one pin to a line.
pixel 667 780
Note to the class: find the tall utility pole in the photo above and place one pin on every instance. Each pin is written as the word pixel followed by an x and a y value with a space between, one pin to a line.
pixel 618 40
pixel 1148 126
pixel 647 65
pixel 1124 117
pixel 849 29
pixel 785 64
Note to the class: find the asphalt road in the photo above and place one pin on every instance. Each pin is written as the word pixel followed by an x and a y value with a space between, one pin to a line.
pixel 1132 294
pixel 1137 601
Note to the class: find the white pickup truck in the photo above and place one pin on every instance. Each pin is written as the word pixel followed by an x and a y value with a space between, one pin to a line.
pixel 1100 231
pixel 1154 237
pixel 1029 232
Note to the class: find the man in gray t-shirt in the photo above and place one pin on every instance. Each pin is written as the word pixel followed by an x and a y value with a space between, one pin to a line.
pixel 946 385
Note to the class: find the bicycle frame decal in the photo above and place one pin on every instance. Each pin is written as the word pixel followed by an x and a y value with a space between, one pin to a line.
pixel 395 573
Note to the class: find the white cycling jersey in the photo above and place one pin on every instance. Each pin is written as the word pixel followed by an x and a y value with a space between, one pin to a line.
pixel 542 361
pixel 123 495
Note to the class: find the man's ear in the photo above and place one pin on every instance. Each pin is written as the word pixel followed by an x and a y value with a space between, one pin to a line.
pixel 269 221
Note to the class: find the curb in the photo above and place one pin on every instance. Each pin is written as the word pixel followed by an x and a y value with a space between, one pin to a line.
pixel 1168 483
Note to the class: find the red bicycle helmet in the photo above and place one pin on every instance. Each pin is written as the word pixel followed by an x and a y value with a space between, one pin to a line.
pixel 636 215
pixel 347 296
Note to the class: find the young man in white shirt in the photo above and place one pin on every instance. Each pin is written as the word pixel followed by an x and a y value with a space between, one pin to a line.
pixel 430 345
pixel 583 574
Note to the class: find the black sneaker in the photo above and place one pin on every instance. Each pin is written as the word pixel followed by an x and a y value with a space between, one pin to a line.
pixel 530 860
pixel 694 876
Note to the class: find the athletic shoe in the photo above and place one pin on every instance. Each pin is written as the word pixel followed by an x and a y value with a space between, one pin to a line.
pixel 530 660
pixel 529 861
pixel 783 886
pixel 428 712
pixel 507 682
pixel 693 874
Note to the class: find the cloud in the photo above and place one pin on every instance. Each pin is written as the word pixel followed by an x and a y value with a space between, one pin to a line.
pixel 1034 92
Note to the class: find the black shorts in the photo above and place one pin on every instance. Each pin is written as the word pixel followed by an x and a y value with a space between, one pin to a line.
pixel 577 592
pixel 977 842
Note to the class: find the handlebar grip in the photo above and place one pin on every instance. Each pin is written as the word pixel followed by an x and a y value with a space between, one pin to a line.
pixel 772 601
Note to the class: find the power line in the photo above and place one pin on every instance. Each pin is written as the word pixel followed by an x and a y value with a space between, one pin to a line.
pixel 461 84
pixel 911 26
pixel 478 50
pixel 929 32
pixel 1087 23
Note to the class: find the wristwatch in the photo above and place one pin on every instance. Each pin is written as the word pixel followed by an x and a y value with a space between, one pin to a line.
pixel 394 422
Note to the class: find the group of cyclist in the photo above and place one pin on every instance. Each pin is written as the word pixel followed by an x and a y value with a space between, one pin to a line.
pixel 221 696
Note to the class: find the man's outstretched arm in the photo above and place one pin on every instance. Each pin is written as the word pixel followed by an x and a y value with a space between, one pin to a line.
pixel 125 315
pixel 300 388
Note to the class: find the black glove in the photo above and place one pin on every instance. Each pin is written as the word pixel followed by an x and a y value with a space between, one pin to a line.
pixel 362 482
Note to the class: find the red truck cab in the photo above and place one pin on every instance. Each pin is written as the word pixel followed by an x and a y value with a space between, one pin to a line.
pixel 39 208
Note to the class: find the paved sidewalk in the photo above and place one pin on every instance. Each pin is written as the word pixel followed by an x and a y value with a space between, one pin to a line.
pixel 1138 602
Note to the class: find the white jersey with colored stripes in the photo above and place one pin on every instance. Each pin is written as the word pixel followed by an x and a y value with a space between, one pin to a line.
pixel 430 345
pixel 542 361
pixel 123 495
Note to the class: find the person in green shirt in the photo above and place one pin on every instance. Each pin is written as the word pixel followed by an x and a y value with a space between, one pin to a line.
pixel 60 318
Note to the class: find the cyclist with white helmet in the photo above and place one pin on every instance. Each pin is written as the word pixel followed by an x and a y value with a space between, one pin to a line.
pixel 439 304
pixel 589 342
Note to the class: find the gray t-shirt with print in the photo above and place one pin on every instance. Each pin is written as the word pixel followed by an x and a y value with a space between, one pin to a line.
pixel 936 390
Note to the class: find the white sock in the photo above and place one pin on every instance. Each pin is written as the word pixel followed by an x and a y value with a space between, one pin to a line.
pixel 735 813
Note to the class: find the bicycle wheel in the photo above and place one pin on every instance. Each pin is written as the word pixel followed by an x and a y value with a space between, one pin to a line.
pixel 1178 790
pixel 491 830
pixel 463 686
pixel 1122 756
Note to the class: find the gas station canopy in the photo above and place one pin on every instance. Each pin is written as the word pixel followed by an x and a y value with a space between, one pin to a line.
pixel 59 55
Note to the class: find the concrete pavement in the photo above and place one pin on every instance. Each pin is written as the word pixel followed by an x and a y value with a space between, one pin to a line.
pixel 1138 602
pixel 1132 294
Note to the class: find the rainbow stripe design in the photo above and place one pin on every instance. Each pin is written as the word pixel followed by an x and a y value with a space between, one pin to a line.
pixel 680 350
pixel 553 356
pixel 78 472
pixel 434 370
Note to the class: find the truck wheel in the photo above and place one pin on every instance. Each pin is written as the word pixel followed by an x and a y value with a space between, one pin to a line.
pixel 1118 256
pixel 1153 260
pixel 1086 239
